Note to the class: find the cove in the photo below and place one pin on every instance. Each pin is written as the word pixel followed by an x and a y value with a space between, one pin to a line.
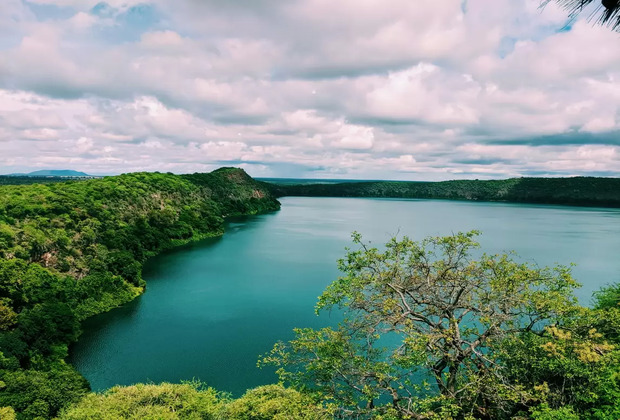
pixel 213 307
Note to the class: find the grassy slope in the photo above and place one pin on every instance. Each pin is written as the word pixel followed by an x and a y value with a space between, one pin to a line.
pixel 74 249
pixel 580 191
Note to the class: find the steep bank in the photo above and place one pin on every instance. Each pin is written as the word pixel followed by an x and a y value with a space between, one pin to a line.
pixel 72 250
pixel 578 191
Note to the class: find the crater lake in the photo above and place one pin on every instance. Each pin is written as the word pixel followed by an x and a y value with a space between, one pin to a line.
pixel 211 308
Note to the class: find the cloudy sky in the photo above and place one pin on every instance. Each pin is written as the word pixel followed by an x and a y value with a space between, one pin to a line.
pixel 366 89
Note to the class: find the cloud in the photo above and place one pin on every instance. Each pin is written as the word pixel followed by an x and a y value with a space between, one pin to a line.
pixel 354 89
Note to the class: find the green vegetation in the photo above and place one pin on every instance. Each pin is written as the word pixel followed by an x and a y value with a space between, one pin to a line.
pixel 192 401
pixel 75 249
pixel 579 191
pixel 27 180
pixel 431 333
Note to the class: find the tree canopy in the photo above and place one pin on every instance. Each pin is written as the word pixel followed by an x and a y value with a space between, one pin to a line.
pixel 577 191
pixel 192 401
pixel 430 331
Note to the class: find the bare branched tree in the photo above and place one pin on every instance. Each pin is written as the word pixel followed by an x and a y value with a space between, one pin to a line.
pixel 605 12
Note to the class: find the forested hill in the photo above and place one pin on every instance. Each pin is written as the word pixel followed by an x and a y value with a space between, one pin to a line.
pixel 74 249
pixel 578 191
pixel 27 179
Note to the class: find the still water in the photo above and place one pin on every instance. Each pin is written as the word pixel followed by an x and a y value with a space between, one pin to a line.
pixel 212 308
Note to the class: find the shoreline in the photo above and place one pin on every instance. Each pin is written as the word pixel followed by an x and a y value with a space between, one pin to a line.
pixel 175 245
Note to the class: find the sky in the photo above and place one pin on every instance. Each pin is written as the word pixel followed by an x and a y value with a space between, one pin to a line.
pixel 355 89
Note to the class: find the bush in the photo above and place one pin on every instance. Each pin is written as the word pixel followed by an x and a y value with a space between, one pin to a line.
pixel 147 402
pixel 275 402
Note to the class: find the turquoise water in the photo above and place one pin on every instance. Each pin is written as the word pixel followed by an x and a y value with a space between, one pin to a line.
pixel 211 308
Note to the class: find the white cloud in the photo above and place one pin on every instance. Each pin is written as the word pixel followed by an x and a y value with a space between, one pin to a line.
pixel 422 93
pixel 426 89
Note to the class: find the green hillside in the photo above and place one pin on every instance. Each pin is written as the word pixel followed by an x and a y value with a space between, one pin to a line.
pixel 579 191
pixel 27 179
pixel 75 249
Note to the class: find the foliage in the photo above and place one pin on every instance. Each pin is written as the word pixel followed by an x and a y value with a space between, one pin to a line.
pixel 27 180
pixel 70 250
pixel 578 191
pixel 575 365
pixel 146 402
pixel 545 413
pixel 608 297
pixel 277 403
pixel 193 401
pixel 566 367
pixel 7 413
pixel 431 332
pixel 39 394
pixel 608 11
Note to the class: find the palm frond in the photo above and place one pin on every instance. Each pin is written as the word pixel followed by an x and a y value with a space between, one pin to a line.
pixel 604 12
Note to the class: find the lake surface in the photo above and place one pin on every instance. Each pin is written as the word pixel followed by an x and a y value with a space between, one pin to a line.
pixel 212 308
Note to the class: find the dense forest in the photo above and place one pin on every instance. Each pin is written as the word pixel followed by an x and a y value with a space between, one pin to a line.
pixel 482 337
pixel 74 249
pixel 578 191
pixel 27 180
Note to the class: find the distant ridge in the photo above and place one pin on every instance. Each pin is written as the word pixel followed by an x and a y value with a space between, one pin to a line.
pixel 60 173
pixel 575 191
